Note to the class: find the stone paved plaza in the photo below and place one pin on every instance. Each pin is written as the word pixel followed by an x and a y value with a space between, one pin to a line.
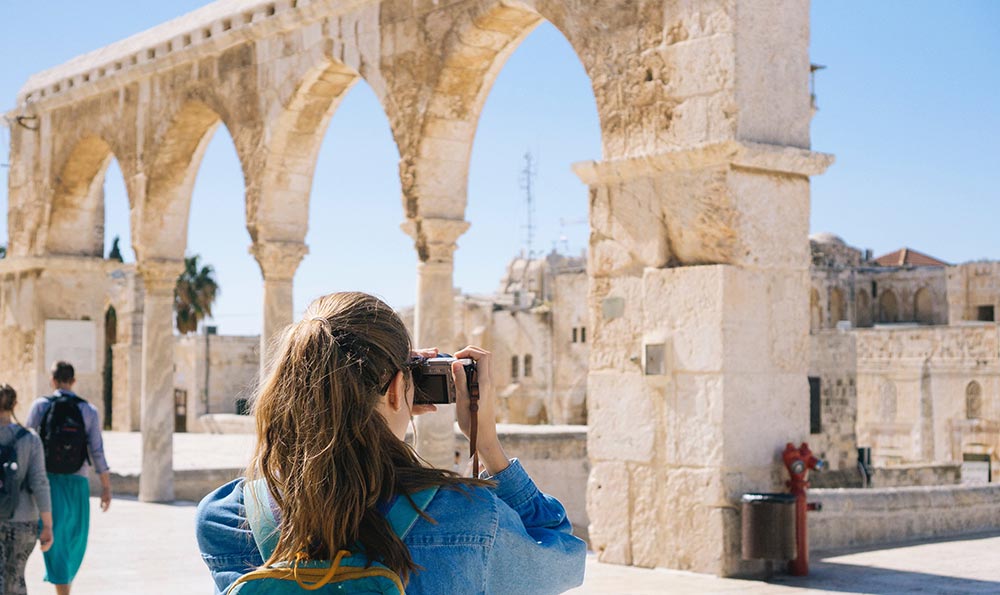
pixel 150 548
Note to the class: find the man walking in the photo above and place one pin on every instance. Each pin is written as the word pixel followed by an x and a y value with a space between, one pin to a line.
pixel 70 428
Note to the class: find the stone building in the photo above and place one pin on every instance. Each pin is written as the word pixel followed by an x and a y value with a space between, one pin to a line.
pixel 905 357
pixel 535 326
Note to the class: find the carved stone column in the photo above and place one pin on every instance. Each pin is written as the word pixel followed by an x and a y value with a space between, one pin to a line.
pixel 433 323
pixel 278 262
pixel 156 484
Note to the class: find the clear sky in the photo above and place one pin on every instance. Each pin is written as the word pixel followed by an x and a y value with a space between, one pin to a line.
pixel 909 103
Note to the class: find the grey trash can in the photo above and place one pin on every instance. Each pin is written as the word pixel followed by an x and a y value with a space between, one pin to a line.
pixel 768 526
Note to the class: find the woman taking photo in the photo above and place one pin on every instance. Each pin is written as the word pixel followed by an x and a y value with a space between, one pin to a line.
pixel 24 464
pixel 331 419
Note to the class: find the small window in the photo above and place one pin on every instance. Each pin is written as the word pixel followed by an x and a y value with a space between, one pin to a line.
pixel 815 419
pixel 985 314
pixel 513 367
pixel 527 365
pixel 574 334
pixel 583 334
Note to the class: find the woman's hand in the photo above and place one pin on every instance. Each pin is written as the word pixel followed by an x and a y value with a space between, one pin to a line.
pixel 488 445
pixel 45 538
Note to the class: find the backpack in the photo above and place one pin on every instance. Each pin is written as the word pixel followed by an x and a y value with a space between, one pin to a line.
pixel 10 488
pixel 347 573
pixel 64 435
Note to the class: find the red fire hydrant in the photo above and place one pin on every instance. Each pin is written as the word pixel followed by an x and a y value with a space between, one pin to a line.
pixel 799 461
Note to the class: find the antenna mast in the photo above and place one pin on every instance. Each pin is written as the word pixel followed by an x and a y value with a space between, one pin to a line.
pixel 527 180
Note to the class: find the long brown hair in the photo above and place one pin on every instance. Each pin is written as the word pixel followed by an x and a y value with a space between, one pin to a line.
pixel 327 454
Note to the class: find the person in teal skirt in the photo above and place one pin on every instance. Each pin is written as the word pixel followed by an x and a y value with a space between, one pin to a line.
pixel 69 488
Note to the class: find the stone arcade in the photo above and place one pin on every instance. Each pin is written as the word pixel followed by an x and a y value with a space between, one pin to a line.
pixel 699 216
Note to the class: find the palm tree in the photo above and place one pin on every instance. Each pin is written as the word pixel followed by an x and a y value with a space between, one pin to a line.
pixel 194 295
pixel 3 250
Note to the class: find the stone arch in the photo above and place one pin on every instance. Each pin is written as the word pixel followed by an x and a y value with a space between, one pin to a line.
pixel 838 306
pixel 923 306
pixel 76 213
pixel 815 311
pixel 888 307
pixel 973 400
pixel 887 403
pixel 278 203
pixel 863 308
pixel 435 163
pixel 162 227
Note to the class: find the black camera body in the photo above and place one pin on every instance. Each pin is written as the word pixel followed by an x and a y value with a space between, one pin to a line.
pixel 433 381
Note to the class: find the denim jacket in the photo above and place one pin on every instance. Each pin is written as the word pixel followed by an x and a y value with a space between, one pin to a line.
pixel 509 539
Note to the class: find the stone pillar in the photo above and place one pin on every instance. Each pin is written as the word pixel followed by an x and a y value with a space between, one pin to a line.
pixel 156 483
pixel 434 323
pixel 699 303
pixel 278 262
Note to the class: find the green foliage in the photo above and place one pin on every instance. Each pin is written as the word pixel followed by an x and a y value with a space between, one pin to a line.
pixel 3 250
pixel 194 295
pixel 116 251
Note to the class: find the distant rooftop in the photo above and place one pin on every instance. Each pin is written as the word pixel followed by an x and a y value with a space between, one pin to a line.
pixel 909 257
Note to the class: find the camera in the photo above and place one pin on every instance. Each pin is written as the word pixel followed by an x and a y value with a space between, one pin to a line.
pixel 433 381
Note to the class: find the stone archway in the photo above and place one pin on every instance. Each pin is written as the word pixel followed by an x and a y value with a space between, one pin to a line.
pixel 888 307
pixel 863 308
pixel 923 306
pixel 838 306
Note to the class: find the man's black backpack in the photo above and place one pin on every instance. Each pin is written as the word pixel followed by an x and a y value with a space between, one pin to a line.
pixel 64 435
pixel 10 488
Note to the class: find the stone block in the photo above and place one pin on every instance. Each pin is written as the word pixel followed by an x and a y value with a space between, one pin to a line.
pixel 608 506
pixel 772 221
pixel 693 420
pixel 646 529
pixel 622 417
pixel 781 399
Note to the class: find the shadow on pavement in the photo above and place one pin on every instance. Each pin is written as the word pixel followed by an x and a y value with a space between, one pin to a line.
pixel 852 578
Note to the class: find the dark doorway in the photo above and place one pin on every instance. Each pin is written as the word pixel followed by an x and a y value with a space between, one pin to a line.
pixel 180 410
pixel 110 338
pixel 985 314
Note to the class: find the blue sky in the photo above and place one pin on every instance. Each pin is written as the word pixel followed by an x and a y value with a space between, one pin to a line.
pixel 908 103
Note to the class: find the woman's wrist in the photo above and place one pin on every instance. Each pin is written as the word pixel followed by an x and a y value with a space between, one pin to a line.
pixel 492 456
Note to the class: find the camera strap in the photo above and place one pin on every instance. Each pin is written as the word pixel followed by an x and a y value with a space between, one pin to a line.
pixel 473 382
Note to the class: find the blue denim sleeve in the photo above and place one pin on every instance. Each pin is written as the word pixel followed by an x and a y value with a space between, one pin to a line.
pixel 224 538
pixel 535 551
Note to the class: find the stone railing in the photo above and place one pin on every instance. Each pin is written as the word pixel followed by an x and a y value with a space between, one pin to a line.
pixel 854 518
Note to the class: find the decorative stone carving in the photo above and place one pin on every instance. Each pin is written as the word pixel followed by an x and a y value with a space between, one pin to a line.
pixel 278 260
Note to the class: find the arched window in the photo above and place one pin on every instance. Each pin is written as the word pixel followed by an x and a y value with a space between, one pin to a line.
pixel 527 365
pixel 513 367
pixel 973 400
pixel 923 306
pixel 815 311
pixel 888 307
pixel 887 402
pixel 838 306
pixel 863 308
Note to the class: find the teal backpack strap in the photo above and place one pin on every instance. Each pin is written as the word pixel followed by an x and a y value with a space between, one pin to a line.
pixel 261 517
pixel 402 516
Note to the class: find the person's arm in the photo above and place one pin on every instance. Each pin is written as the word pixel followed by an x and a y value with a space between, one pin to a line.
pixel 224 537
pixel 34 419
pixel 534 550
pixel 45 538
pixel 38 481
pixel 95 442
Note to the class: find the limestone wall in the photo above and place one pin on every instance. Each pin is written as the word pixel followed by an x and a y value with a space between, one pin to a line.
pixel 916 387
pixel 973 286
pixel 233 370
pixel 833 360
pixel 868 517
